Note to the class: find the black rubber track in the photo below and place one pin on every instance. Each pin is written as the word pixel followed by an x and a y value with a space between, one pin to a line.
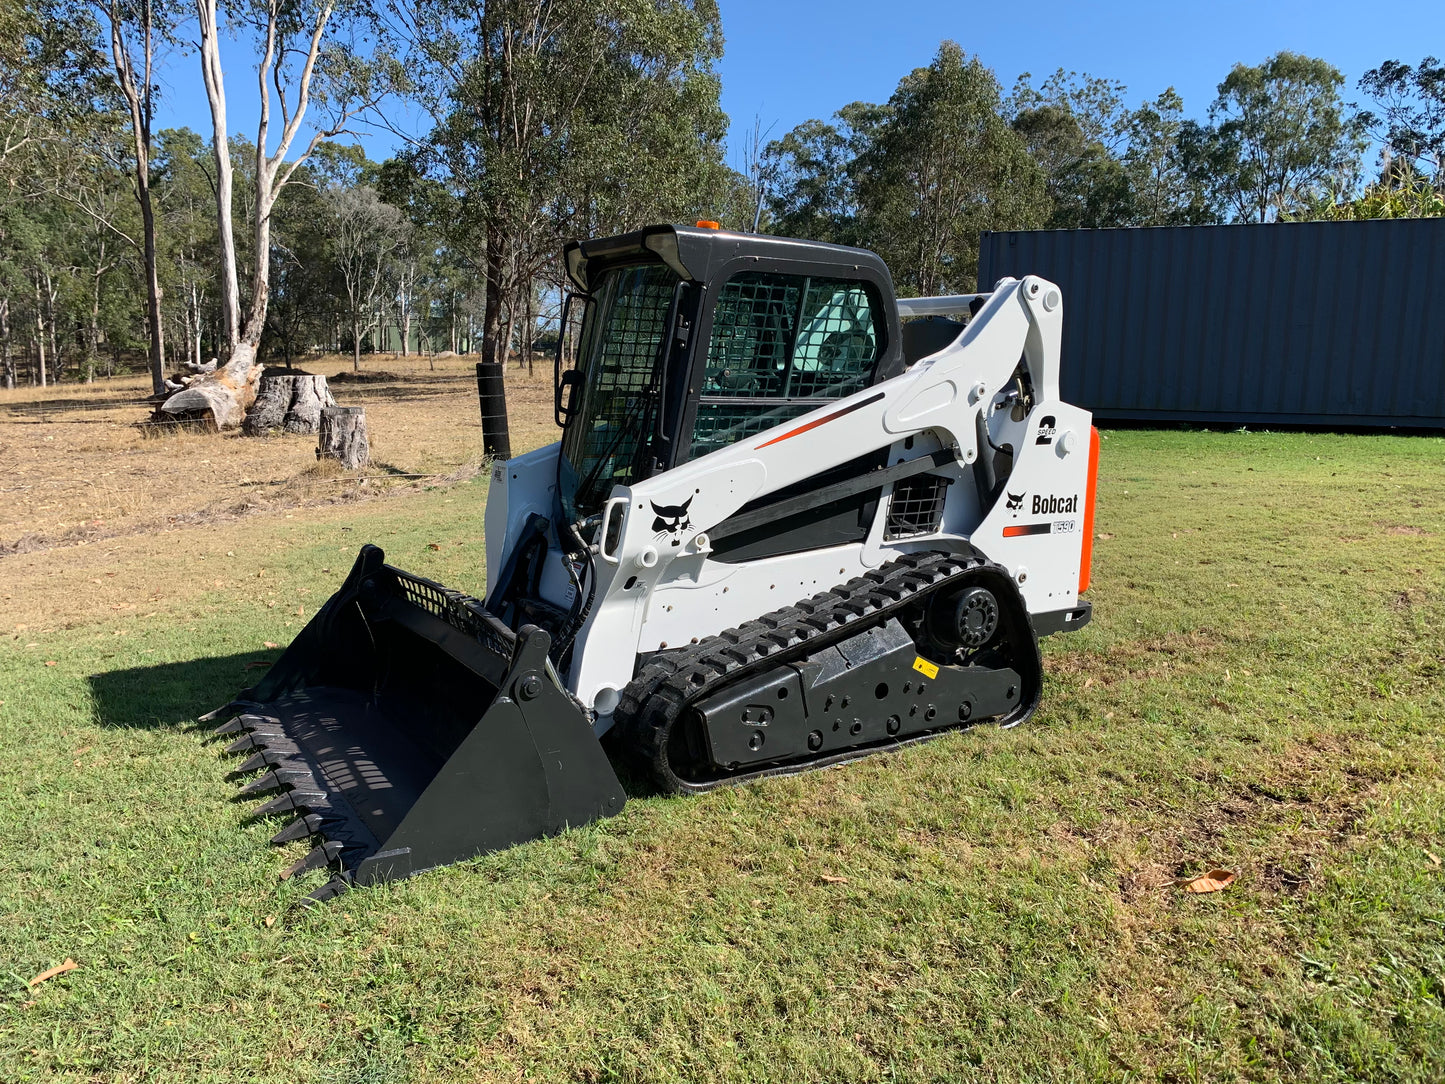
pixel 671 682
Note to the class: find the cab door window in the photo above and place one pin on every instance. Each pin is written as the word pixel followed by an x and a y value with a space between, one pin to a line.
pixel 779 344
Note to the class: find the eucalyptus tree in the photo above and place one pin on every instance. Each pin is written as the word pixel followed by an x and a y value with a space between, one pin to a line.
pixel 813 177
pixel 1279 135
pixel 107 239
pixel 49 95
pixel 944 165
pixel 431 210
pixel 1088 186
pixel 558 117
pixel 1076 126
pixel 17 120
pixel 38 244
pixel 19 85
pixel 1409 117
pixel 136 29
pixel 1164 192
pixel 365 235
pixel 49 83
pixel 1096 104
pixel 184 194
pixel 305 57
pixel 304 285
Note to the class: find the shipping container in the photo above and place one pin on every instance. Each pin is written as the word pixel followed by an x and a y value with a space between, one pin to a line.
pixel 1310 323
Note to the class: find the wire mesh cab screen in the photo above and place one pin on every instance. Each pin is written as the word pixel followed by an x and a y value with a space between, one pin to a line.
pixel 779 344
pixel 619 357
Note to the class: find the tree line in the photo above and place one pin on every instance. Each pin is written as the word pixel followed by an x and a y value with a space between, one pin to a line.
pixel 950 155
pixel 532 121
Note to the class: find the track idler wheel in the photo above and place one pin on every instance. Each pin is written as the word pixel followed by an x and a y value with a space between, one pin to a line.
pixel 967 620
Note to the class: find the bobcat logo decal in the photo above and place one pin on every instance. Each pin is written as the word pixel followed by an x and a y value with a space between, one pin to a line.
pixel 672 517
pixel 1015 500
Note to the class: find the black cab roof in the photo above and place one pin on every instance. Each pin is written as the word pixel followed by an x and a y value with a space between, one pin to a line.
pixel 696 252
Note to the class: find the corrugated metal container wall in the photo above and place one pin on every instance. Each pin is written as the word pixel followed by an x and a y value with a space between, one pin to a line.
pixel 1311 323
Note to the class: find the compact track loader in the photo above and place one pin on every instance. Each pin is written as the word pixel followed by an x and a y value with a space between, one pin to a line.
pixel 791 521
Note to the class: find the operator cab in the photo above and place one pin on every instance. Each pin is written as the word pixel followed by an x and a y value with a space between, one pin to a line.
pixel 693 338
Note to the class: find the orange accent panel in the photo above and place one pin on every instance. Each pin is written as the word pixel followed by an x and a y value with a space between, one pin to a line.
pixel 1086 558
pixel 708 224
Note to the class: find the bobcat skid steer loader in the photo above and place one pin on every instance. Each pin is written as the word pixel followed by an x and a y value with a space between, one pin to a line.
pixel 783 528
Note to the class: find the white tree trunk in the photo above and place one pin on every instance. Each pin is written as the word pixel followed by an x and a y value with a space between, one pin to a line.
pixel 229 392
pixel 220 144
pixel 40 331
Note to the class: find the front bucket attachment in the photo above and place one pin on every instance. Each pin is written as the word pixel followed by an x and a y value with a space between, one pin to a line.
pixel 406 728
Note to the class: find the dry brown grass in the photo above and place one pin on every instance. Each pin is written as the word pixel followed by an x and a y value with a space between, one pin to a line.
pixel 74 465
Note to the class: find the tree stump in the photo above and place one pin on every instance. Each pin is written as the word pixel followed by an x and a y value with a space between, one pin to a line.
pixel 342 436
pixel 290 403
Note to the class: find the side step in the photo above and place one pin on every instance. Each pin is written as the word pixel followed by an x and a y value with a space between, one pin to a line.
pixel 407 728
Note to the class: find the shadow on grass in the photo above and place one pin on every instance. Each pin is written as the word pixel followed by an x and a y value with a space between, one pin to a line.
pixel 176 693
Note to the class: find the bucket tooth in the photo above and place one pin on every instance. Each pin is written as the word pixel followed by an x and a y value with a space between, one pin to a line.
pixel 245 744
pixel 290 801
pixel 267 783
pixel 276 779
pixel 316 858
pixel 248 724
pixel 326 893
pixel 308 824
pixel 263 725
pixel 275 744
pixel 264 758
pixel 232 707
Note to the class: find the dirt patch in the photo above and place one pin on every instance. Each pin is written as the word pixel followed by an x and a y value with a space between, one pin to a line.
pixel 1407 600
pixel 365 376
pixel 314 487
pixel 79 469
pixel 1135 659
pixel 1275 832
pixel 1402 528
pixel 1274 847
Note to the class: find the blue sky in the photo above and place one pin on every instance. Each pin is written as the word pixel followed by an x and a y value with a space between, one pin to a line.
pixel 787 62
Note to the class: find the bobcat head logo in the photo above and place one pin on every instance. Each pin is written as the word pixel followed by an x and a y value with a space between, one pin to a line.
pixel 671 517
pixel 1015 500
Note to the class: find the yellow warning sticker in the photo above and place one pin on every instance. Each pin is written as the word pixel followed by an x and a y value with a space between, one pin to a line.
pixel 924 667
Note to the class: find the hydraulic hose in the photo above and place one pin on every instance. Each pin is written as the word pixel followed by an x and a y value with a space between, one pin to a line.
pixel 581 607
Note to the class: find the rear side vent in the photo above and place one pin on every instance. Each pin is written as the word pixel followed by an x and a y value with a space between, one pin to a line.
pixel 916 508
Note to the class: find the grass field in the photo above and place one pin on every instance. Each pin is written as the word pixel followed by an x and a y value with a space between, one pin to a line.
pixel 1261 690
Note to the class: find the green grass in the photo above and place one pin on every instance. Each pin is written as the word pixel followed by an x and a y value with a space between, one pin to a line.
pixel 1261 689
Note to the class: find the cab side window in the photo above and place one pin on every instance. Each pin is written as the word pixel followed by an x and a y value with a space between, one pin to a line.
pixel 779 344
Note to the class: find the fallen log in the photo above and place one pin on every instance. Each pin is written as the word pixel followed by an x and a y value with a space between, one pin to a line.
pixel 342 436
pixel 220 398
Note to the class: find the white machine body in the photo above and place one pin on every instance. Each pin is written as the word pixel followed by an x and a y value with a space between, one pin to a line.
pixel 658 587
